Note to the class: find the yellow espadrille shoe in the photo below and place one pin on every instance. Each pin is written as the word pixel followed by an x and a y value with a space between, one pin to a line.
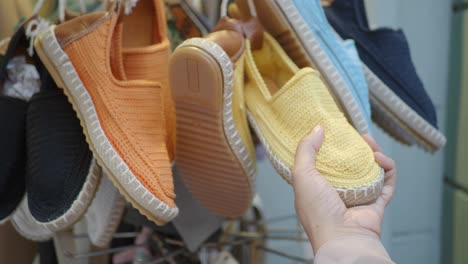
pixel 284 103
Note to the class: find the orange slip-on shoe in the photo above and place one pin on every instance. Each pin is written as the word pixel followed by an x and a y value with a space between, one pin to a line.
pixel 122 120
pixel 146 50
pixel 214 152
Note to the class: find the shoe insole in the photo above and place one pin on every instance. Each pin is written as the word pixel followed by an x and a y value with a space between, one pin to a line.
pixel 141 26
pixel 271 84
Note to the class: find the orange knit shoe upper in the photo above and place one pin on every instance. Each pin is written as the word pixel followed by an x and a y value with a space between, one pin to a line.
pixel 130 112
pixel 146 51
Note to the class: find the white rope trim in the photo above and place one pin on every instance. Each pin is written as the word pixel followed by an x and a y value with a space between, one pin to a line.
pixel 34 28
pixel 83 6
pixel 224 4
pixel 252 9
pixel 38 7
pixel 401 111
pixel 26 226
pixel 62 4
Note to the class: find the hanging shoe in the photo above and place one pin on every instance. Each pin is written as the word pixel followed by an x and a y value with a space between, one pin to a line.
pixel 105 213
pixel 16 85
pixel 214 153
pixel 400 104
pixel 145 52
pixel 284 103
pixel 123 120
pixel 61 174
pixel 300 26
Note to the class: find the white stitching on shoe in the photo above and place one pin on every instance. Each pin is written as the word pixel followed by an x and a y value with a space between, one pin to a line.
pixel 402 111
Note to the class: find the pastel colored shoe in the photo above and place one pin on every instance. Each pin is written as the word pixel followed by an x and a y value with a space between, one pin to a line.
pixel 214 152
pixel 61 174
pixel 300 26
pixel 145 53
pixel 284 103
pixel 122 120
pixel 400 103
pixel 105 213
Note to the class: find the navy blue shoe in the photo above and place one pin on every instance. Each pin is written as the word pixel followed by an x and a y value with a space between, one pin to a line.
pixel 400 104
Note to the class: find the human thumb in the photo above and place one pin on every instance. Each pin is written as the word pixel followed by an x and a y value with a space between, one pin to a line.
pixel 306 152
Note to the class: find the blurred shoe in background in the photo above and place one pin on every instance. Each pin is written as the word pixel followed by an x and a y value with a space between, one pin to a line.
pixel 401 105
pixel 105 213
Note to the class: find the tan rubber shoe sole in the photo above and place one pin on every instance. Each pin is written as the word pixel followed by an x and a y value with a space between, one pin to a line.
pixel 210 155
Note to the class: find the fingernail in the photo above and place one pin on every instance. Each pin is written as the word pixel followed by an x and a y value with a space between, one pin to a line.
pixel 317 129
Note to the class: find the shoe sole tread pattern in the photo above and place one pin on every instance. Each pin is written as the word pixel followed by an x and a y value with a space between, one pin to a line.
pixel 351 197
pixel 212 158
pixel 65 75
pixel 423 133
pixel 320 60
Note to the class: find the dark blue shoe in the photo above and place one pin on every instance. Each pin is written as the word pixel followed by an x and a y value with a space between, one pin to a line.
pixel 400 104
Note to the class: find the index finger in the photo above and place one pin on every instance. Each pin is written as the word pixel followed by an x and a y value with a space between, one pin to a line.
pixel 371 142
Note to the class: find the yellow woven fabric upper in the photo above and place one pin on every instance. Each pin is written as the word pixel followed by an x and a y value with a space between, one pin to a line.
pixel 287 103
pixel 238 107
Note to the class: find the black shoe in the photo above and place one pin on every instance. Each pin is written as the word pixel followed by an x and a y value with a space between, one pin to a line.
pixel 61 174
pixel 12 137
pixel 12 154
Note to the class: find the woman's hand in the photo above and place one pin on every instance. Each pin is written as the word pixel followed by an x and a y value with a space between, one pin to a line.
pixel 319 207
